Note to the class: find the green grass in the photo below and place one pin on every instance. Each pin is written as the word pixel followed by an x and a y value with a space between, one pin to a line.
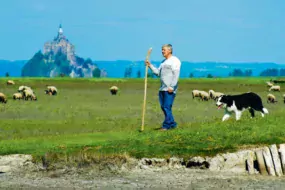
pixel 84 114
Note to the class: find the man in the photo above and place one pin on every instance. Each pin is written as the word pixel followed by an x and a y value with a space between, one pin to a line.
pixel 168 71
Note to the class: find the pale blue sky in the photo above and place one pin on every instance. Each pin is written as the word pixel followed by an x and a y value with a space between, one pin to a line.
pixel 199 30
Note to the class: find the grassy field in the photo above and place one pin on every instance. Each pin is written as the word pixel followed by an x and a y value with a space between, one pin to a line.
pixel 85 117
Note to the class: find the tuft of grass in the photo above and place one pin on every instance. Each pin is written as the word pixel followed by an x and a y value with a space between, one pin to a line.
pixel 85 116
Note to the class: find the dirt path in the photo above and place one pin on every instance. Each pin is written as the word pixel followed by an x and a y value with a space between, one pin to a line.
pixel 141 179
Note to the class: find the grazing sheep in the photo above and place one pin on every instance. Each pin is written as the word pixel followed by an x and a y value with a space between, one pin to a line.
pixel 215 95
pixel 204 95
pixel 51 89
pixel 274 88
pixel 114 90
pixel 195 93
pixel 269 84
pixel 29 94
pixel 17 96
pixel 22 88
pixel 10 82
pixel 3 98
pixel 271 98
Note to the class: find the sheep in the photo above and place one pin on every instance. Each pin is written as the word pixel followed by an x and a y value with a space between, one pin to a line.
pixel 204 95
pixel 17 96
pixel 51 89
pixel 114 90
pixel 3 98
pixel 275 88
pixel 269 84
pixel 22 88
pixel 271 98
pixel 10 82
pixel 195 93
pixel 215 95
pixel 29 94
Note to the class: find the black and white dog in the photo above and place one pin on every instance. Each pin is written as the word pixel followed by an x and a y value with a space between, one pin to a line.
pixel 239 103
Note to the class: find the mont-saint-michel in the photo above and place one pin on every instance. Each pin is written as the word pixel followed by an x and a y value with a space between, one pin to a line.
pixel 59 59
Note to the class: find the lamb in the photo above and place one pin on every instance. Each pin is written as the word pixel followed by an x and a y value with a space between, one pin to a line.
pixel 195 93
pixel 114 90
pixel 215 95
pixel 269 84
pixel 10 82
pixel 51 89
pixel 274 88
pixel 17 96
pixel 29 94
pixel 271 98
pixel 204 95
pixel 3 98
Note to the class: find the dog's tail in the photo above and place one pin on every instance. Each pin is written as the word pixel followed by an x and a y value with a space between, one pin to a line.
pixel 265 110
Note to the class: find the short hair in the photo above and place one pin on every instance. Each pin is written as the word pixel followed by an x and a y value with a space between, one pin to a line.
pixel 169 46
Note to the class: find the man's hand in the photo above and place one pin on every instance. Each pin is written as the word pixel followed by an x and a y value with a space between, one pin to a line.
pixel 170 90
pixel 147 63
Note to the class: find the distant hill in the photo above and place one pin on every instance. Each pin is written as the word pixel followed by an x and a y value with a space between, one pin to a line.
pixel 59 59
pixel 116 69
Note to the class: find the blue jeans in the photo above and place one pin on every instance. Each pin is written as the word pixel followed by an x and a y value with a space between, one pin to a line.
pixel 166 100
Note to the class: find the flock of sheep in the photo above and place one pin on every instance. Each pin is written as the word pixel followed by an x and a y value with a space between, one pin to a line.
pixel 205 96
pixel 26 93
pixel 270 97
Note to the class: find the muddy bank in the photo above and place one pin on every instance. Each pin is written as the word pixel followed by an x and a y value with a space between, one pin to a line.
pixel 142 179
pixel 239 170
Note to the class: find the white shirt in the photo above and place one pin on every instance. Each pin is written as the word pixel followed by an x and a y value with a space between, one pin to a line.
pixel 168 71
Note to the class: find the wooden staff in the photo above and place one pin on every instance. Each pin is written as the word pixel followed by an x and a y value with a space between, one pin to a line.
pixel 145 88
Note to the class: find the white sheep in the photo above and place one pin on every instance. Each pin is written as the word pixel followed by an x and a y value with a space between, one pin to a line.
pixel 17 96
pixel 269 84
pixel 215 95
pixel 10 82
pixel 29 94
pixel 3 98
pixel 274 88
pixel 51 89
pixel 204 95
pixel 195 93
pixel 271 98
pixel 22 88
pixel 114 90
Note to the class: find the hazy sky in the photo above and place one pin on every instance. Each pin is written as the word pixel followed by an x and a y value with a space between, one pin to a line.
pixel 199 30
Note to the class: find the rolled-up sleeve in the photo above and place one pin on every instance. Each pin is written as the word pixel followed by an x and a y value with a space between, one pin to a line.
pixel 175 73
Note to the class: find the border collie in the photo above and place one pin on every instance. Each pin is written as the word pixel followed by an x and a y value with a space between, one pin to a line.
pixel 239 103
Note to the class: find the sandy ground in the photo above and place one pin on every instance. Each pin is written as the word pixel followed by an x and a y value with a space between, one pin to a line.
pixel 141 179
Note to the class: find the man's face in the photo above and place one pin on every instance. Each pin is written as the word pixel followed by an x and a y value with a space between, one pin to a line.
pixel 166 51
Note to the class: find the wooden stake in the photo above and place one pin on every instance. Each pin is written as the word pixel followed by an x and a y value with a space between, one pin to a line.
pixel 268 161
pixel 145 89
pixel 276 160
pixel 260 161
pixel 250 164
pixel 282 155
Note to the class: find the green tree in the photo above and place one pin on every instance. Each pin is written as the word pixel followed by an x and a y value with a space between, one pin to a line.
pixel 96 72
pixel 139 74
pixel 7 74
